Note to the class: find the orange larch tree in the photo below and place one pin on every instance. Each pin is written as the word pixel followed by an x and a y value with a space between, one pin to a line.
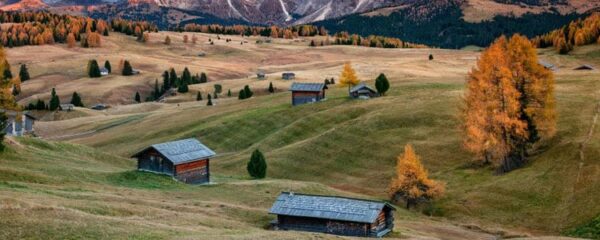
pixel 411 183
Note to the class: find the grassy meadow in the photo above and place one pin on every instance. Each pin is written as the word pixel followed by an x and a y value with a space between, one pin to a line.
pixel 87 187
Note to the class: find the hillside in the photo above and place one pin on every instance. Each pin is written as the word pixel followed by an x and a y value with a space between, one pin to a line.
pixel 346 145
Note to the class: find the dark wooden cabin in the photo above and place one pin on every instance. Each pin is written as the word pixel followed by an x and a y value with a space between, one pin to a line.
pixel 288 76
pixel 333 215
pixel 585 67
pixel 362 91
pixel 303 93
pixel 185 160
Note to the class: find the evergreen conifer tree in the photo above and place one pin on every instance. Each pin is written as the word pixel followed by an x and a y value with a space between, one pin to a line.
pixel 157 92
pixel 257 166
pixel 166 81
pixel 76 100
pixel 271 89
pixel 24 73
pixel 137 97
pixel 174 80
pixel 229 93
pixel 93 69
pixel 382 84
pixel 107 66
pixel 247 92
pixel 199 96
pixel 127 69
pixel 209 103
pixel 3 125
pixel 54 101
pixel 203 78
pixel 242 95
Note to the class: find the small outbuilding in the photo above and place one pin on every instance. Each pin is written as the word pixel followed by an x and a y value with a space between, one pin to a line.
pixel 333 215
pixel 261 75
pixel 135 71
pixel 99 107
pixel 362 91
pixel 585 67
pixel 288 76
pixel 547 65
pixel 18 123
pixel 67 107
pixel 303 93
pixel 186 160
pixel 104 71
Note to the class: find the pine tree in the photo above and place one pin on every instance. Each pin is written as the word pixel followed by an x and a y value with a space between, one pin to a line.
pixel 137 97
pixel 127 69
pixel 229 93
pixel 3 125
pixel 203 78
pixel 271 88
pixel 411 183
pixel 247 92
pixel 199 96
pixel 93 69
pixel 156 92
pixel 186 77
pixel 76 100
pixel 24 73
pixel 166 81
pixel 218 88
pixel 382 84
pixel 54 101
pixel 209 103
pixel 242 95
pixel 40 105
pixel 430 57
pixel 107 66
pixel 257 166
pixel 348 77
pixel 173 78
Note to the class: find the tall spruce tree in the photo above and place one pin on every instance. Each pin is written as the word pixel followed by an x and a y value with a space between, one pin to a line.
pixel 173 78
pixel 76 100
pixel 127 69
pixel 229 93
pixel 93 69
pixel 54 101
pixel 203 78
pixel 166 81
pixel 24 73
pixel 382 84
pixel 107 66
pixel 242 95
pixel 247 92
pixel 157 93
pixel 209 103
pixel 257 166
pixel 186 77
pixel 199 96
pixel 137 97
pixel 271 88
pixel 3 125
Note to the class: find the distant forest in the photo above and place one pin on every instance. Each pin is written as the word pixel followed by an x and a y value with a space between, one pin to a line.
pixel 445 27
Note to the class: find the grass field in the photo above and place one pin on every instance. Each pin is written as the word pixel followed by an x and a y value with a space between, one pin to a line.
pixel 338 146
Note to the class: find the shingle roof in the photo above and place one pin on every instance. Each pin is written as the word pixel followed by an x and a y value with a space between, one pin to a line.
pixel 361 86
pixel 182 151
pixel 327 207
pixel 307 87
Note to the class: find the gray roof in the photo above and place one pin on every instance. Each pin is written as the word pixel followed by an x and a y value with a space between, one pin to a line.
pixel 585 66
pixel 361 86
pixel 182 151
pixel 328 207
pixel 307 87
pixel 547 64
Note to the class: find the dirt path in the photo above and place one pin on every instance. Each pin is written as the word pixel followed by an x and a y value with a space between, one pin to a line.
pixel 585 142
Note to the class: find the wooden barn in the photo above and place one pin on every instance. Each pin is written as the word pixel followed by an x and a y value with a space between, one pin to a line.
pixel 18 123
pixel 185 160
pixel 303 93
pixel 288 76
pixel 333 215
pixel 362 91
pixel 585 67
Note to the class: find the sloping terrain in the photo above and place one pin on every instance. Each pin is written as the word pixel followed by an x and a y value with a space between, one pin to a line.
pixel 351 145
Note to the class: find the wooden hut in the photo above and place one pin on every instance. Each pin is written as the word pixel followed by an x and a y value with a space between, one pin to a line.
pixel 362 91
pixel 67 107
pixel 288 76
pixel 547 65
pixel 303 93
pixel 261 75
pixel 18 123
pixel 185 160
pixel 333 215
pixel 585 67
